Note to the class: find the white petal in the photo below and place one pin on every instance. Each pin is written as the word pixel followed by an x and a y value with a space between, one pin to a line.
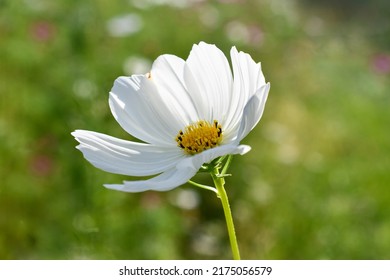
pixel 196 161
pixel 253 111
pixel 130 104
pixel 164 182
pixel 248 78
pixel 209 80
pixel 167 74
pixel 179 175
pixel 124 157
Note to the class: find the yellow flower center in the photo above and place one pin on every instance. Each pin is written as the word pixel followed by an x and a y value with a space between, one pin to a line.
pixel 199 136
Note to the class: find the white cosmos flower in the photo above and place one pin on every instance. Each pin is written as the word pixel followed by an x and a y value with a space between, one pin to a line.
pixel 187 113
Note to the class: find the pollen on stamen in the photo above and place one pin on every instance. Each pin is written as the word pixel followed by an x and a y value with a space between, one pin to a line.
pixel 199 136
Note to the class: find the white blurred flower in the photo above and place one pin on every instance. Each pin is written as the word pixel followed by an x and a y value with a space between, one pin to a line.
pixel 84 88
pixel 236 31
pixel 136 64
pixel 187 113
pixel 187 199
pixel 209 16
pixel 144 4
pixel 125 25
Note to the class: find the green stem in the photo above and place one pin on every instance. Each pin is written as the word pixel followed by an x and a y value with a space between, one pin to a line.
pixel 203 186
pixel 227 164
pixel 221 193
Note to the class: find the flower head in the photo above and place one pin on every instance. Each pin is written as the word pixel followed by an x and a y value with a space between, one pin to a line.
pixel 186 113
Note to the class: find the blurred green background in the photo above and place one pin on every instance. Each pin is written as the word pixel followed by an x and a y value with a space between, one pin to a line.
pixel 315 185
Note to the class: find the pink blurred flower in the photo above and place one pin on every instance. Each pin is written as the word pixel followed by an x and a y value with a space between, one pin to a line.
pixel 42 31
pixel 41 165
pixel 381 63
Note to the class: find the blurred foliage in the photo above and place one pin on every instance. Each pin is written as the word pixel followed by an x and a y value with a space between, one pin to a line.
pixel 314 186
pixel 372 17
